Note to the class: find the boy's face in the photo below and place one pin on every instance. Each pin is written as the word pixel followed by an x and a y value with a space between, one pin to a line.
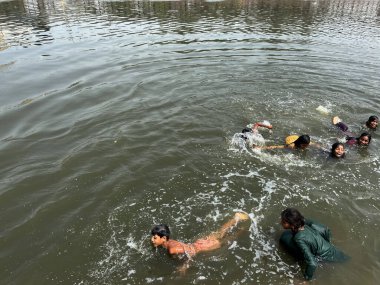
pixel 157 240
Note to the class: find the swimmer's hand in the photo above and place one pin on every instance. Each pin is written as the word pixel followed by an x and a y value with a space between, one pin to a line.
pixel 336 120
pixel 240 216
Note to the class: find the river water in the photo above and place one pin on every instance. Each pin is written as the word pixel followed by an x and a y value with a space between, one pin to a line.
pixel 117 115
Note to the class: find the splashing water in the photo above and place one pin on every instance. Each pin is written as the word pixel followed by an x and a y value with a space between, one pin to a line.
pixel 243 141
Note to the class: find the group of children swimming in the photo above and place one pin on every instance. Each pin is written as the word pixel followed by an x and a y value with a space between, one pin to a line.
pixel 306 240
pixel 303 141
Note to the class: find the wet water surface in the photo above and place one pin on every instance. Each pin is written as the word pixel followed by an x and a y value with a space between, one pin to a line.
pixel 117 115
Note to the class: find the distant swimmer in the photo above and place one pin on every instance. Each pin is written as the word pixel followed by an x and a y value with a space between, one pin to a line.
pixel 372 122
pixel 291 142
pixel 363 140
pixel 370 125
pixel 161 238
pixel 308 240
pixel 337 150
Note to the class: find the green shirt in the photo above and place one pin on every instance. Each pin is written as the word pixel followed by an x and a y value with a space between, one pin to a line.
pixel 314 244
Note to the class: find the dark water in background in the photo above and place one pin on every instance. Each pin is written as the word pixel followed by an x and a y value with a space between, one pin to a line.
pixel 116 115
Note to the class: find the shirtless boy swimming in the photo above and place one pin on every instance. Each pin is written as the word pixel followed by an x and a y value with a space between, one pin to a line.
pixel 161 237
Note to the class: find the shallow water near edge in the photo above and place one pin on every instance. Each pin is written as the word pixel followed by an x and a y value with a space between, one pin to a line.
pixel 117 115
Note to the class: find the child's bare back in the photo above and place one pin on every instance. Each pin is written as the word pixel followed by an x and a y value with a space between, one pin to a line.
pixel 161 233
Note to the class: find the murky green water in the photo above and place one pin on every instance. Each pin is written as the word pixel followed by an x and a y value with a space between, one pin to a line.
pixel 116 115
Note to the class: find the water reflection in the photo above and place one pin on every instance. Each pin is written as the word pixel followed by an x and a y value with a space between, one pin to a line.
pixel 26 23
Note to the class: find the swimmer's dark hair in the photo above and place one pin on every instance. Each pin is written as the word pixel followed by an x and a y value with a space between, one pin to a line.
pixel 302 140
pixel 161 230
pixel 371 119
pixel 246 130
pixel 334 147
pixel 365 134
pixel 293 217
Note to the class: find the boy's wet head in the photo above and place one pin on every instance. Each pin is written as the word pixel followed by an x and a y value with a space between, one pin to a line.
pixel 161 230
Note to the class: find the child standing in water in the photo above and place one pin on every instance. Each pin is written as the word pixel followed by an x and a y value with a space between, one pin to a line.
pixel 308 240
pixel 161 237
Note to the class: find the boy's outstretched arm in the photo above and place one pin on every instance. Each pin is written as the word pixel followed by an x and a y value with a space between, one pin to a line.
pixel 257 125
pixel 269 147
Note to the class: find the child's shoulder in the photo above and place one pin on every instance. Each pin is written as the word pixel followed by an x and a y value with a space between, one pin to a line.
pixel 173 242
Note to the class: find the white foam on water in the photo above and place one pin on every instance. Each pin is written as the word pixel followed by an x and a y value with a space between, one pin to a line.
pixel 233 245
pixel 261 246
pixel 225 186
pixel 130 272
pixel 151 280
pixel 269 186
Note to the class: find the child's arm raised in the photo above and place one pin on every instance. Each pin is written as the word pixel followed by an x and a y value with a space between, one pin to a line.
pixel 263 125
